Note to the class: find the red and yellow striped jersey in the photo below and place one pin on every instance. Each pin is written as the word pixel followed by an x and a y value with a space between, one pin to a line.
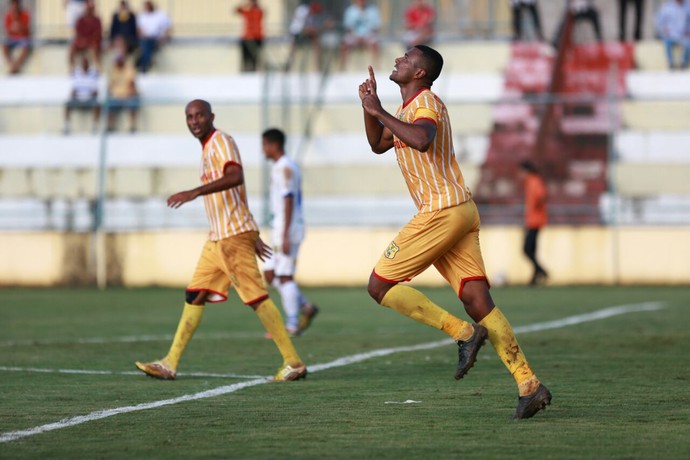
pixel 228 211
pixel 433 178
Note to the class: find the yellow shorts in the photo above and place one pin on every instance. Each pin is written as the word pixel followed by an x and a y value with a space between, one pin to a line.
pixel 447 239
pixel 230 262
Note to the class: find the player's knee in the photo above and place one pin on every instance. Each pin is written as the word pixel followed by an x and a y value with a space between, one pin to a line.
pixel 190 296
pixel 376 289
pixel 477 299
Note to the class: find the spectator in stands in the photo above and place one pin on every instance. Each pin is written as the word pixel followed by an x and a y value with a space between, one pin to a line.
pixel 252 40
pixel 17 36
pixel 88 35
pixel 154 28
pixel 673 27
pixel 73 11
pixel 517 8
pixel 535 216
pixel 84 94
pixel 124 25
pixel 623 18
pixel 419 23
pixel 309 21
pixel 362 21
pixel 582 10
pixel 122 92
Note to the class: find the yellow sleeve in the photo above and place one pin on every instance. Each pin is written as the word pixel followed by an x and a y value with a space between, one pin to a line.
pixel 425 113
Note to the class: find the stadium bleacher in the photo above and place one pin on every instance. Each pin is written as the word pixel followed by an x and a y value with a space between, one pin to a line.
pixel 160 158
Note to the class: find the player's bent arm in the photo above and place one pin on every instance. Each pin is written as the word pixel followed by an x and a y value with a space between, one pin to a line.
pixel 380 139
pixel 232 177
pixel 418 135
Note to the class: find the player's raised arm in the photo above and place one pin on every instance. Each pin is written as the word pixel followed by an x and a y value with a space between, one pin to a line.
pixel 380 139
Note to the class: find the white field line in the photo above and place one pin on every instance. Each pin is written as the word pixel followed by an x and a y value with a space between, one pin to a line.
pixel 344 361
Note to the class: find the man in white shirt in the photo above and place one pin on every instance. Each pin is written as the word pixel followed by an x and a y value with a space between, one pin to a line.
pixel 154 28
pixel 287 232
pixel 84 93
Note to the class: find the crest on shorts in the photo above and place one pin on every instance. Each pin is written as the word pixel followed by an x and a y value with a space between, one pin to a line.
pixel 391 250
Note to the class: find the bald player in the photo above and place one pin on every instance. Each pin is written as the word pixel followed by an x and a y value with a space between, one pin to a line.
pixel 229 256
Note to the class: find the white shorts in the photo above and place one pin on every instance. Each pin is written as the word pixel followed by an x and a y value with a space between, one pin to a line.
pixel 282 264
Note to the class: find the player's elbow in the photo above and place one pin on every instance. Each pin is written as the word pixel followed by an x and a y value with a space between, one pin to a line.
pixel 378 149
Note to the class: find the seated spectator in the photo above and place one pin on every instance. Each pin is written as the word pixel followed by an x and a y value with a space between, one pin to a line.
pixel 155 28
pixel 124 25
pixel 673 27
pixel 419 23
pixel 517 8
pixel 122 92
pixel 582 10
pixel 308 23
pixel 252 40
pixel 18 36
pixel 88 36
pixel 84 94
pixel 361 21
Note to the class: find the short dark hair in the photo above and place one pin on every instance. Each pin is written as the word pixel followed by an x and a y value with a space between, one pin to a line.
pixel 275 135
pixel 431 61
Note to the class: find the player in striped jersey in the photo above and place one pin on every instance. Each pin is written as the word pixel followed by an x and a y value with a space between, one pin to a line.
pixel 229 256
pixel 445 230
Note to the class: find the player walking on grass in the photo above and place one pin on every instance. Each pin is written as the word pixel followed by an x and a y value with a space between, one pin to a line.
pixel 287 232
pixel 445 230
pixel 229 256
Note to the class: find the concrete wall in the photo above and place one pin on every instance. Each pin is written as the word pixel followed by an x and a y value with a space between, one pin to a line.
pixel 345 256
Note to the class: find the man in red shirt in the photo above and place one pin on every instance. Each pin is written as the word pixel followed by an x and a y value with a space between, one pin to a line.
pixel 253 35
pixel 88 35
pixel 18 33
pixel 535 216
pixel 419 22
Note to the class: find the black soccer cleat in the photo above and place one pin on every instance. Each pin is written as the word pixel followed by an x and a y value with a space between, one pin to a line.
pixel 468 349
pixel 531 404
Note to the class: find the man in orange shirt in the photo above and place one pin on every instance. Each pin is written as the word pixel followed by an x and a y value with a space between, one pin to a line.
pixel 253 35
pixel 18 33
pixel 229 255
pixel 445 231
pixel 535 216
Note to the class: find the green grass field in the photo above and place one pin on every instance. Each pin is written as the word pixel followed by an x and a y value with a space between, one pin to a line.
pixel 621 383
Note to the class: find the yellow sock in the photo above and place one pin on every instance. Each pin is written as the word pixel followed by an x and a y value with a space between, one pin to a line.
pixel 503 339
pixel 412 303
pixel 273 323
pixel 191 317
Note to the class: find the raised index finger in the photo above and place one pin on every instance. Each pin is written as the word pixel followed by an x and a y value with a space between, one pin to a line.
pixel 371 74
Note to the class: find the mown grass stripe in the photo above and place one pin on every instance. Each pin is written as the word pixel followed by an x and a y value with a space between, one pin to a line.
pixel 344 361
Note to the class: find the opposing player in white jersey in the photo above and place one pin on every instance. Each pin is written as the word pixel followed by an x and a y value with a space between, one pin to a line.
pixel 287 232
